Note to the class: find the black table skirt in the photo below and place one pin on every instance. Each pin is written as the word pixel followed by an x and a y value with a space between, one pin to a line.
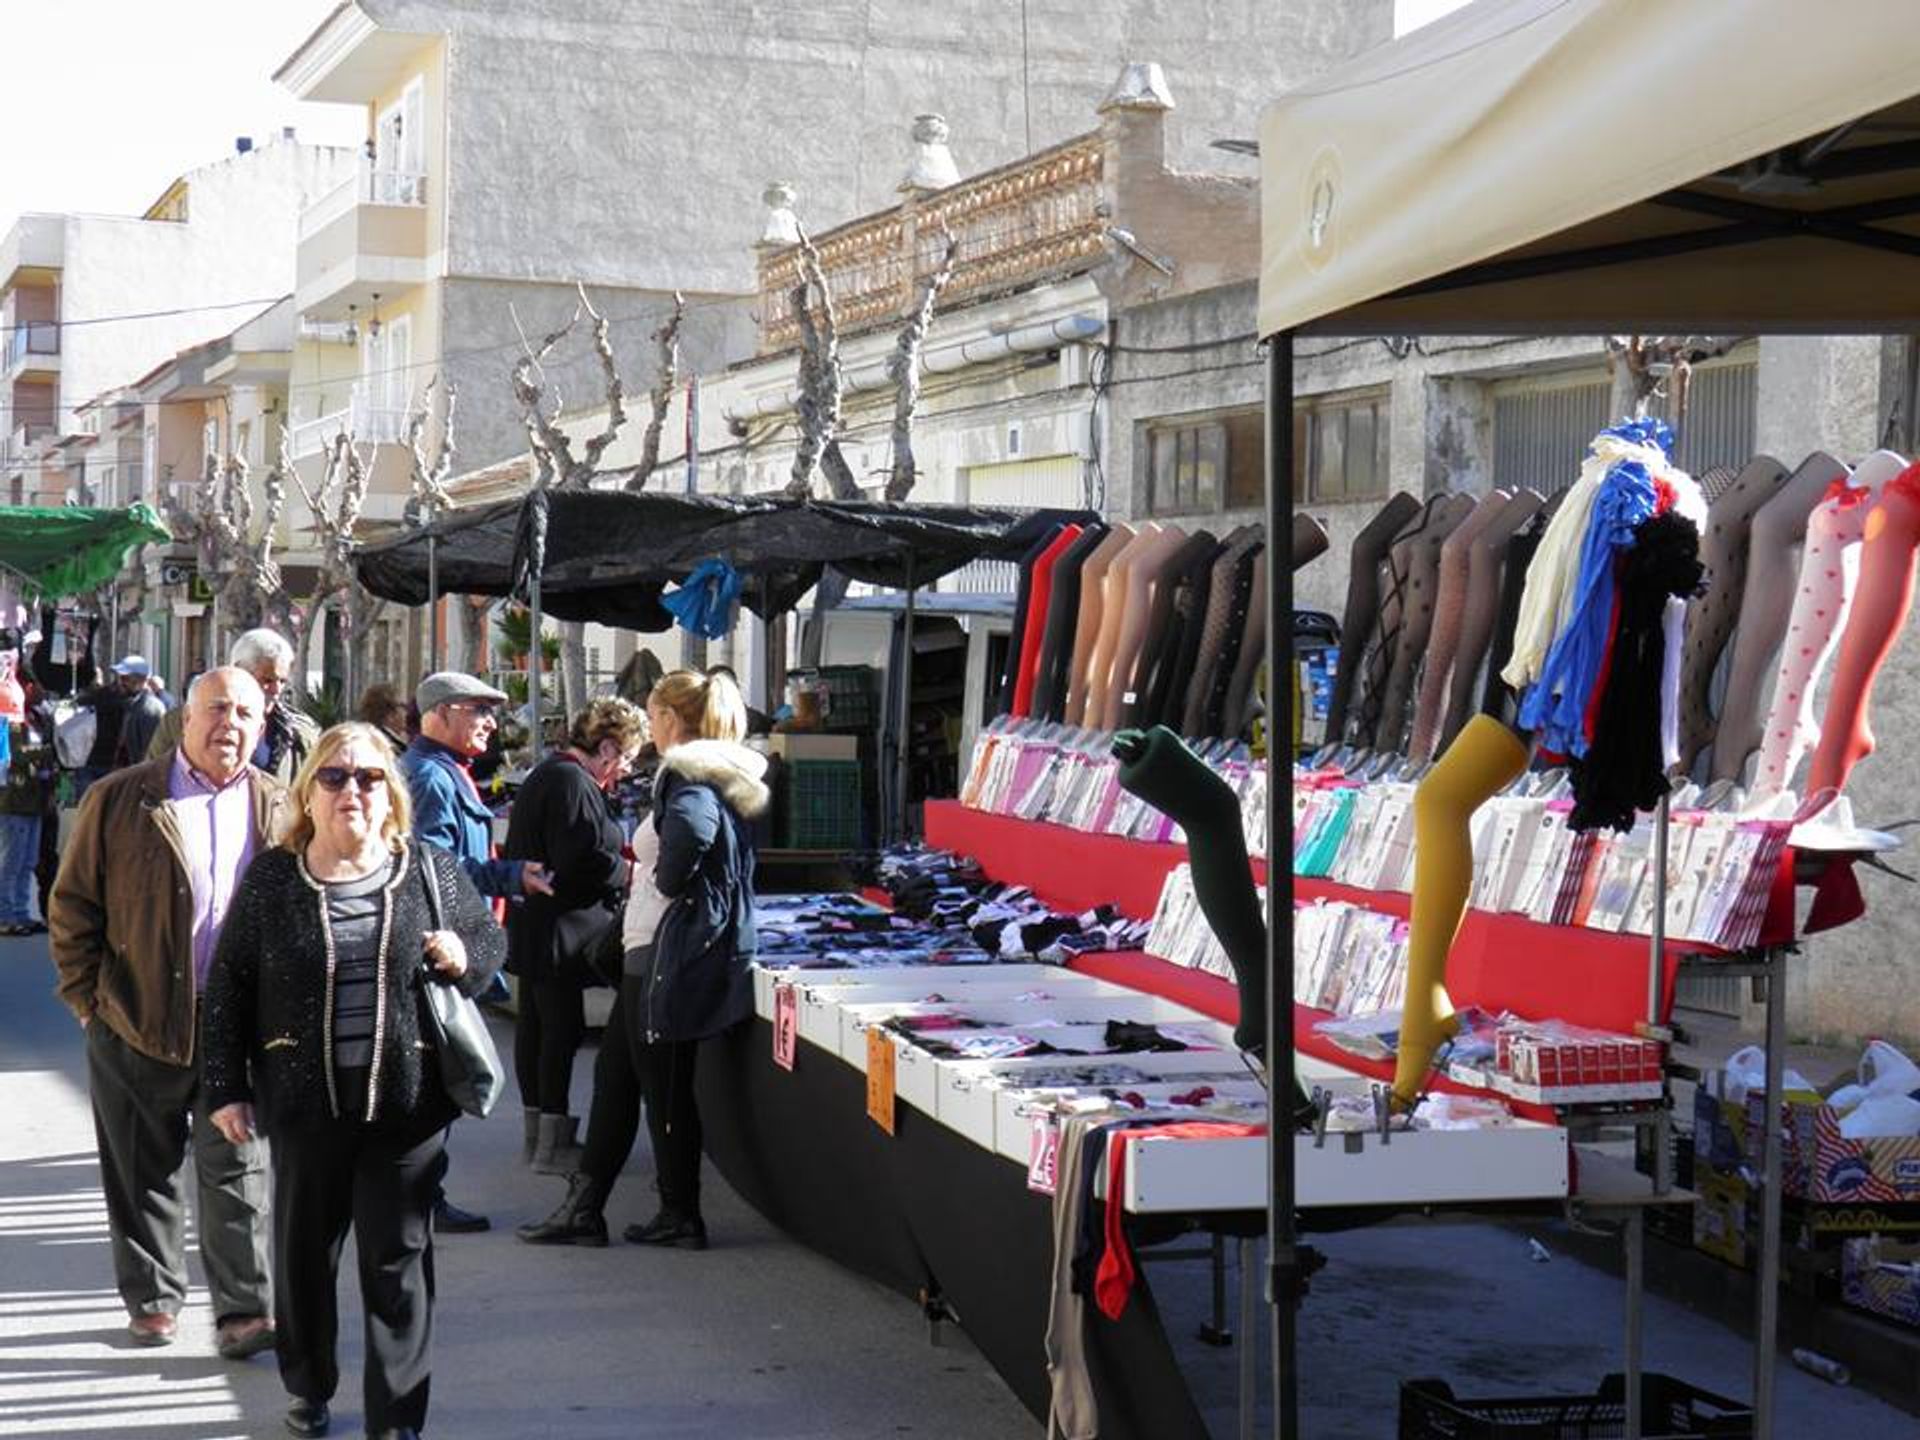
pixel 925 1211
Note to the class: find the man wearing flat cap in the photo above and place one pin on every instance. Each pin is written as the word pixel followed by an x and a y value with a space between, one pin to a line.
pixel 458 714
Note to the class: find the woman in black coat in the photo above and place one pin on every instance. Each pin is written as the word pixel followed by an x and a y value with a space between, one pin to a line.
pixel 688 978
pixel 311 1030
pixel 562 819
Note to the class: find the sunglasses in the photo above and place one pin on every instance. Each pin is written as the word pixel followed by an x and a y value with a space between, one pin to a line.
pixel 334 778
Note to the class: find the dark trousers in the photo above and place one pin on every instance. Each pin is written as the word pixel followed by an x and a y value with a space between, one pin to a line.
pixel 150 1121
pixel 380 1182
pixel 546 1037
pixel 631 1072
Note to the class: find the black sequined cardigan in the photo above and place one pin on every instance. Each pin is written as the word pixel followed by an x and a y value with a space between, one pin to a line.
pixel 267 1014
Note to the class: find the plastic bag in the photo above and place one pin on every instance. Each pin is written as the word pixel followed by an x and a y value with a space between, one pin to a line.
pixel 73 736
pixel 1747 1070
pixel 1886 1070
pixel 1883 1117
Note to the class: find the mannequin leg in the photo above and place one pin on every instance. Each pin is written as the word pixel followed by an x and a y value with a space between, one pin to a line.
pixel 1822 600
pixel 1485 757
pixel 1880 606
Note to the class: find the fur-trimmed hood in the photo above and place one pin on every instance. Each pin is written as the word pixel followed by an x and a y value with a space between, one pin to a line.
pixel 734 772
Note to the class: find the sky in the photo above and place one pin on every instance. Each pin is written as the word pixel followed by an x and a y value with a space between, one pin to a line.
pixel 127 94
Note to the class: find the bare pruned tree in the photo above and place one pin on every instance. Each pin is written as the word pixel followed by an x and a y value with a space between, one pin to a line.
pixel 336 504
pixel 822 384
pixel 556 465
pixel 904 370
pixel 1650 367
pixel 233 546
pixel 427 497
pixel 666 377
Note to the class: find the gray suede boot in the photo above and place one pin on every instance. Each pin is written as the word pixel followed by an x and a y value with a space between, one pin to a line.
pixel 554 1151
pixel 529 1135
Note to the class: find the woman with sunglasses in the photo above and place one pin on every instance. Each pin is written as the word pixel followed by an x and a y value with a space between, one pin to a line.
pixel 313 1034
pixel 561 818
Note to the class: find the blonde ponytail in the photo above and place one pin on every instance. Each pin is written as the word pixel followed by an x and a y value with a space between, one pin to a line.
pixel 709 707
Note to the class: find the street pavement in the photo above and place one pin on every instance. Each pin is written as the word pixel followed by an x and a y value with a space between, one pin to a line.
pixel 759 1337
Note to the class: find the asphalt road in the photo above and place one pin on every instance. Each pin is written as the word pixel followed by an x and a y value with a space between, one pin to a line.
pixel 759 1337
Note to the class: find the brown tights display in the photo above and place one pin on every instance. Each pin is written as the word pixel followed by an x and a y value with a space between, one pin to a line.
pixel 1484 758
pixel 1449 620
pixel 1416 620
pixel 1363 603
pixel 1880 605
pixel 1486 567
pixel 1723 550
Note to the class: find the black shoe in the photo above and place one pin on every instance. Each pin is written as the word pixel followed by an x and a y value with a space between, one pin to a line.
pixel 450 1219
pixel 308 1417
pixel 669 1229
pixel 577 1221
pixel 403 1432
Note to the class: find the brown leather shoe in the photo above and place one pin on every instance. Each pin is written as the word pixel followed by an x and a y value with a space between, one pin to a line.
pixel 244 1335
pixel 152 1329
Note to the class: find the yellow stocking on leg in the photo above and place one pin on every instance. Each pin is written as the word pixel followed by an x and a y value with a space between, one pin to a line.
pixel 1483 758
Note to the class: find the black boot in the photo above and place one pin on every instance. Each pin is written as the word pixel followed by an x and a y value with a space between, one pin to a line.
pixel 667 1228
pixel 578 1221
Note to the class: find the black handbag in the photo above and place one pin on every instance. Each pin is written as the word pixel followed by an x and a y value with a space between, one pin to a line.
pixel 470 1066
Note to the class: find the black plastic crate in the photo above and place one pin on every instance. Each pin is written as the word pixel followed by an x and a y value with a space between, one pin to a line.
pixel 823 805
pixel 849 701
pixel 1669 1410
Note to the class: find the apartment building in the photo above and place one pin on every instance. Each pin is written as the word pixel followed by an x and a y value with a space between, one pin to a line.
pixel 636 164
pixel 89 302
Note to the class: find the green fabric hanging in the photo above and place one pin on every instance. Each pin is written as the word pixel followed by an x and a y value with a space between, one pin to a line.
pixel 61 550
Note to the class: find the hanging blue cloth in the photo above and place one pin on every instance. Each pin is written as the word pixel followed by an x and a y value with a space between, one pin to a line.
pixel 1556 705
pixel 704 602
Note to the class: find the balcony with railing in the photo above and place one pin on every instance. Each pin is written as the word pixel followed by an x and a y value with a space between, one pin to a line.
pixel 365 417
pixel 33 346
pixel 368 234
pixel 1035 220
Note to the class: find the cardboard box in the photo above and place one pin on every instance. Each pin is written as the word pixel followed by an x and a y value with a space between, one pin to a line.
pixel 814 747
pixel 1821 1164
pixel 1882 1277
pixel 1722 1217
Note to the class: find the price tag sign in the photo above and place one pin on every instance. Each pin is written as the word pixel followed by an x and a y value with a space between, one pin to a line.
pixel 1043 1155
pixel 786 1024
pixel 880 1055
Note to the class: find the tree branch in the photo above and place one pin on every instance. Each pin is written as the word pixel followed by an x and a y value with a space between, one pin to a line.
pixel 904 370
pixel 552 449
pixel 665 379
pixel 821 382
pixel 616 399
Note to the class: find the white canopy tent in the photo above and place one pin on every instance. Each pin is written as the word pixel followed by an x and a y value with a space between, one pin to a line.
pixel 1579 167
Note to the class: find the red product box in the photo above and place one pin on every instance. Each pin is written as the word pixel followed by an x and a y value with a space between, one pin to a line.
pixel 1590 1067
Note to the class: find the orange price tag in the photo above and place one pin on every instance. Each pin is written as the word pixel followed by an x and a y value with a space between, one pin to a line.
pixel 880 1055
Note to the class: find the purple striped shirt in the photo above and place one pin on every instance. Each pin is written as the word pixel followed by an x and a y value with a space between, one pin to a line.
pixel 216 823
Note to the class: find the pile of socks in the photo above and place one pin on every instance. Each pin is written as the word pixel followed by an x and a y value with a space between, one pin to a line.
pixel 1004 919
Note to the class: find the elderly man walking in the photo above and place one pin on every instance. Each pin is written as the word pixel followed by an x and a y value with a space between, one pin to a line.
pixel 285 734
pixel 458 713
pixel 156 852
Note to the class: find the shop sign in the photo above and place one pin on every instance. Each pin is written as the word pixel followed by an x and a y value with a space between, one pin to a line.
pixel 1043 1155
pixel 880 1055
pixel 786 1024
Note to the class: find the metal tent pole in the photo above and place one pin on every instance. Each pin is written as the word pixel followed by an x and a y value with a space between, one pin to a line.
pixel 904 738
pixel 433 601
pixel 533 665
pixel 1767 1319
pixel 1286 1275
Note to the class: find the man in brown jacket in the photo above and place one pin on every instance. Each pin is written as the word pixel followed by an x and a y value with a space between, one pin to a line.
pixel 156 852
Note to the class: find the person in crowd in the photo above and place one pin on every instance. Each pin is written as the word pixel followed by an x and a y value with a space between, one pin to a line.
pixel 150 869
pixel 562 819
pixel 687 971
pixel 114 701
pixel 287 736
pixel 382 707
pixel 25 780
pixel 314 1039
pixel 458 713
pixel 47 864
pixel 758 722
pixel 142 711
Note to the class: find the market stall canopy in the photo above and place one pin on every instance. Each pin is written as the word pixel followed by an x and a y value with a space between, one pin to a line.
pixel 1591 166
pixel 59 550
pixel 609 554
